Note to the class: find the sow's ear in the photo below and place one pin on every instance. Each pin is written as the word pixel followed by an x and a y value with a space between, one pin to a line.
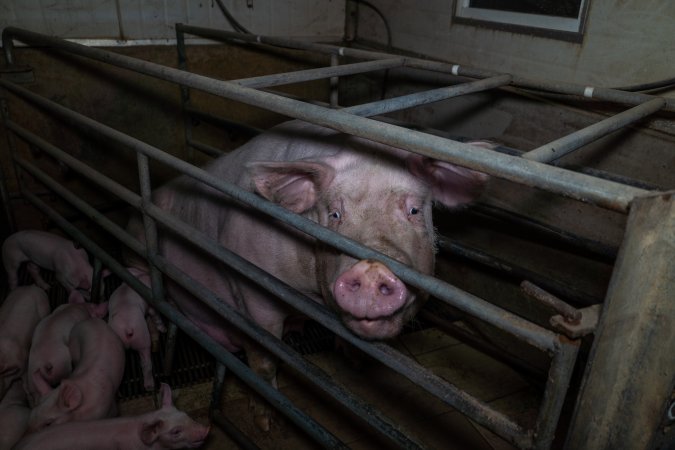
pixel 294 185
pixel 451 185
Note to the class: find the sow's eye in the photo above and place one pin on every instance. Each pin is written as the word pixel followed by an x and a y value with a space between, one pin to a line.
pixel 335 216
pixel 414 211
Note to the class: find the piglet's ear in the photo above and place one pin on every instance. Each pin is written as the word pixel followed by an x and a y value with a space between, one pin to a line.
pixel 150 432
pixel 70 396
pixel 294 185
pixel 451 185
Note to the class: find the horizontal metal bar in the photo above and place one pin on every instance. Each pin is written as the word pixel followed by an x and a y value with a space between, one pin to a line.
pixel 571 314
pixel 473 305
pixel 407 367
pixel 319 73
pixel 457 249
pixel 230 125
pixel 567 144
pixel 206 149
pixel 436 386
pixel 426 97
pixel 281 350
pixel 578 186
pixel 295 44
pixel 272 395
pixel 599 93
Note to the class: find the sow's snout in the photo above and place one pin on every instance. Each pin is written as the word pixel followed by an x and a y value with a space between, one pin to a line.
pixel 372 300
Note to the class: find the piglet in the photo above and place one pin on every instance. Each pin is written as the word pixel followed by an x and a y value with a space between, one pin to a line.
pixel 52 252
pixel 20 313
pixel 165 428
pixel 49 360
pixel 89 392
pixel 127 313
pixel 14 412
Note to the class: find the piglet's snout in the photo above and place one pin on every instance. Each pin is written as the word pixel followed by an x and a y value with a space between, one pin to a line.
pixel 368 290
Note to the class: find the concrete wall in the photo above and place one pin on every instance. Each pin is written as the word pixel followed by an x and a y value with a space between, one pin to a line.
pixel 626 41
pixel 155 19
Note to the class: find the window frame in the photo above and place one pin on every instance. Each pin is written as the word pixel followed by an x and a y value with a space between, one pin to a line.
pixel 554 27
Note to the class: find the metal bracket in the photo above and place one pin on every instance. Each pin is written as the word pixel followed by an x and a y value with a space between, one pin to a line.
pixel 585 326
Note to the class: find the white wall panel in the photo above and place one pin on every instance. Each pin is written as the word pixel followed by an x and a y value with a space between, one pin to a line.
pixel 155 19
pixel 626 41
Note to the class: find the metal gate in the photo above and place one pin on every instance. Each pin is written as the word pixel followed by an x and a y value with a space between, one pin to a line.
pixel 640 362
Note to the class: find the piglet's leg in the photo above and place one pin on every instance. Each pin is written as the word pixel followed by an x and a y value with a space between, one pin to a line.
pixel 265 366
pixel 34 271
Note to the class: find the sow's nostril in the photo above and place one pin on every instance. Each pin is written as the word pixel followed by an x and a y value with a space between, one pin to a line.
pixel 369 290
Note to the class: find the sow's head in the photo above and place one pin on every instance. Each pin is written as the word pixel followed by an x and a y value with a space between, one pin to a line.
pixel 381 197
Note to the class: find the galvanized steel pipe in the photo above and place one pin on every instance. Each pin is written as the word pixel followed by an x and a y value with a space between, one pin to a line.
pixel 567 144
pixel 578 186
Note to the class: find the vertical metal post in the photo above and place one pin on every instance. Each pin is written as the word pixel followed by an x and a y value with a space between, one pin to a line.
pixel 334 81
pixel 152 247
pixel 630 374
pixel 217 390
pixel 559 376
pixel 4 193
pixel 185 95
pixel 96 281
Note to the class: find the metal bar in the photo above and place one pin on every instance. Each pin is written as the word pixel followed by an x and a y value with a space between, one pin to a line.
pixel 426 97
pixel 456 248
pixel 407 367
pixel 479 308
pixel 206 149
pixel 272 395
pixel 184 92
pixel 319 73
pixel 281 350
pixel 567 144
pixel 606 94
pixel 217 389
pixel 597 248
pixel 233 316
pixel 334 83
pixel 598 93
pixel 243 442
pixel 630 374
pixel 603 193
pixel 230 125
pixel 435 385
pixel 559 376
pixel 4 192
pixel 96 285
pixel 571 315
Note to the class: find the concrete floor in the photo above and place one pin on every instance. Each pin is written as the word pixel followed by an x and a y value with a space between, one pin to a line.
pixel 420 415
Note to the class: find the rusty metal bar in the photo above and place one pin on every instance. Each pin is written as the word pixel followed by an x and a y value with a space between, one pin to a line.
pixel 319 74
pixel 559 376
pixel 567 144
pixel 603 193
pixel 630 373
pixel 571 315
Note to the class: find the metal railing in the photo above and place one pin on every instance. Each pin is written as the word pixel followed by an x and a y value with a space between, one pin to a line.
pixel 604 193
